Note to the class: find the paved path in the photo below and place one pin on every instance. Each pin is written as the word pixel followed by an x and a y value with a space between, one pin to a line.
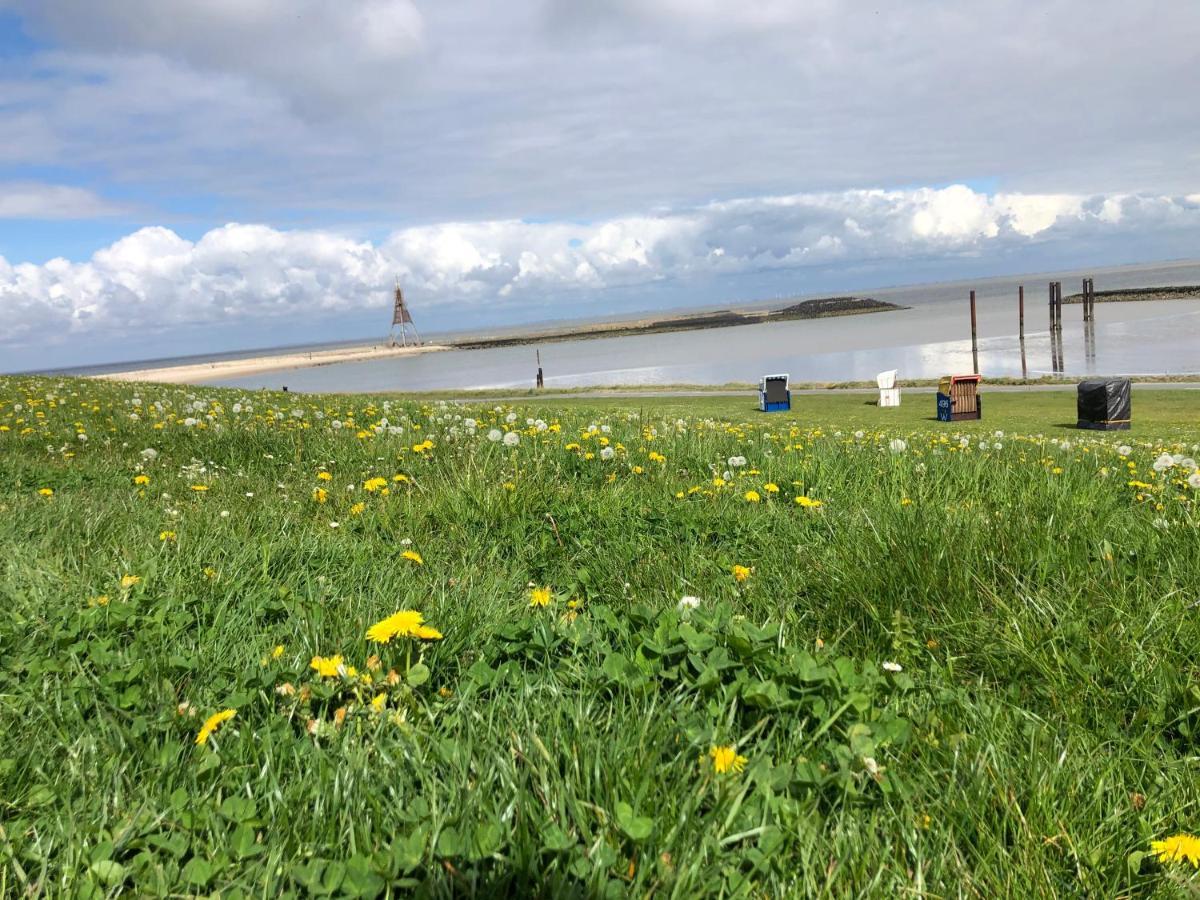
pixel 650 394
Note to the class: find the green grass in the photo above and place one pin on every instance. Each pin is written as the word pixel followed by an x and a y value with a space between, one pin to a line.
pixel 1040 733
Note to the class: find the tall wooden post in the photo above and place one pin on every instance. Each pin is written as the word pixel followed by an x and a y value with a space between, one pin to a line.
pixel 974 336
pixel 1052 308
pixel 1021 321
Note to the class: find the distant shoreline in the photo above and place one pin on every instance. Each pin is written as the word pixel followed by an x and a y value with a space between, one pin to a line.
pixel 823 308
pixel 1133 295
pixel 258 365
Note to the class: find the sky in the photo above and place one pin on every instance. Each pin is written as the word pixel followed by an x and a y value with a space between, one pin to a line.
pixel 207 175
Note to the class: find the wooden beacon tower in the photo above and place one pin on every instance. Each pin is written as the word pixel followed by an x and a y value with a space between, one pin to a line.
pixel 402 322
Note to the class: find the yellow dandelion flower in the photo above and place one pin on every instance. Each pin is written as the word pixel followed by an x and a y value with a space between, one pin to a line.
pixel 378 702
pixel 1178 848
pixel 399 479
pixel 277 652
pixel 414 556
pixel 726 759
pixel 212 723
pixel 539 597
pixel 404 623
pixel 326 666
pixel 320 495
pixel 425 633
pixel 199 488
pixel 357 508
pixel 752 497
pixel 808 502
pixel 371 485
pixel 141 479
pixel 741 573
pixel 324 476
pixel 638 470
pixel 128 581
pixel 101 600
pixel 46 492
pixel 166 536
pixel 771 487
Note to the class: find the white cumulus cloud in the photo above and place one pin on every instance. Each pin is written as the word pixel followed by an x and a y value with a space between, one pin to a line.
pixel 155 280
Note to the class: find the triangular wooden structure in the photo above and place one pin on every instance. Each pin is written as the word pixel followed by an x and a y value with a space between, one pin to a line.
pixel 402 322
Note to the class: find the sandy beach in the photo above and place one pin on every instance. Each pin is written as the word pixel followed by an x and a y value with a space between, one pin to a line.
pixel 258 365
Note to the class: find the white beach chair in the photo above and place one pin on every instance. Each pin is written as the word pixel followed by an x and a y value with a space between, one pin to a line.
pixel 889 394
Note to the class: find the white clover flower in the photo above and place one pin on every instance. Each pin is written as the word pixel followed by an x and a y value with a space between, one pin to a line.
pixel 892 667
pixel 495 434
pixel 686 603
pixel 897 445
pixel 512 439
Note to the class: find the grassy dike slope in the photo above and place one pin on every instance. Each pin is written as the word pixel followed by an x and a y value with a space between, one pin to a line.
pixel 1032 595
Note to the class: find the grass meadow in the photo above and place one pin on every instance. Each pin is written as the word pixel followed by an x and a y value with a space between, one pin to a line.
pixel 259 645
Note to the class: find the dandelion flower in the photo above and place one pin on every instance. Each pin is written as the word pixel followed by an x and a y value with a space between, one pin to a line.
pixel 771 488
pixel 752 496
pixel 414 556
pixel 808 502
pixel 326 666
pixel 324 476
pixel 378 702
pixel 741 573
pixel 277 652
pixel 1178 848
pixel 357 508
pixel 128 581
pixel 212 723
pixel 404 623
pixel 141 479
pixel 726 759
pixel 166 536
pixel 46 492
pixel 371 485
pixel 539 597
pixel 199 488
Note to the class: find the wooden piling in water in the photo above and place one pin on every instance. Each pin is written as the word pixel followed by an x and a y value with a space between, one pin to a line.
pixel 974 336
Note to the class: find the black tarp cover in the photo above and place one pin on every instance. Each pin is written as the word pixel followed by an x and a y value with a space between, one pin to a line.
pixel 1105 405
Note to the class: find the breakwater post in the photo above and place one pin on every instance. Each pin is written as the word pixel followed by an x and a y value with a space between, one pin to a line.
pixel 541 382
pixel 1021 327
pixel 974 336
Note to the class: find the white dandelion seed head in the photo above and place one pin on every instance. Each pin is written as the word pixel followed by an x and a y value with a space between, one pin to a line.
pixel 897 445
pixel 495 434
pixel 512 439
pixel 607 453
pixel 1124 450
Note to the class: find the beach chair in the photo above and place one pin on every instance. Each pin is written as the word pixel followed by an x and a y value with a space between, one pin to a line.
pixel 1105 405
pixel 958 398
pixel 889 393
pixel 773 393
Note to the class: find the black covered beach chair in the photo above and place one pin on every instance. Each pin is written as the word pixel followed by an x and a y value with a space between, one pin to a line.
pixel 1105 405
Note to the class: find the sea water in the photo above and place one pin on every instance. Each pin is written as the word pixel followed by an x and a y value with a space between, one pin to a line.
pixel 930 338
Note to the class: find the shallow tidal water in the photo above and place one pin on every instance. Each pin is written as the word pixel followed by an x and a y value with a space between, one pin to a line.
pixel 929 339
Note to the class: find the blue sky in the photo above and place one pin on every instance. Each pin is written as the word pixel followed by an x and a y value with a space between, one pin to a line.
pixel 191 176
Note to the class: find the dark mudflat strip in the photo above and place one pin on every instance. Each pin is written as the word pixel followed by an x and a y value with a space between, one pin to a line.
pixel 1127 295
pixel 821 308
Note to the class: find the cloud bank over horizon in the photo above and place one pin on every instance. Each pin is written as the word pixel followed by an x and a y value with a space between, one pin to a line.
pixel 154 280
